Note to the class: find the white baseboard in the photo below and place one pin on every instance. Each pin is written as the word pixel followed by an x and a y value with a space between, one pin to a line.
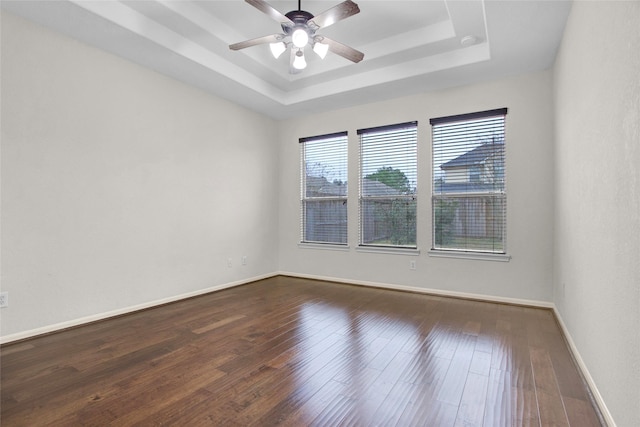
pixel 429 291
pixel 101 316
pixel 608 418
pixel 119 312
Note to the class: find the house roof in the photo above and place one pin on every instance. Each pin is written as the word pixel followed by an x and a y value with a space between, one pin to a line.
pixel 318 186
pixel 476 156
pixel 372 187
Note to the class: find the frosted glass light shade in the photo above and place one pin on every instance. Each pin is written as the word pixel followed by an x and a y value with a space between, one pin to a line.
pixel 300 38
pixel 321 49
pixel 299 62
pixel 277 49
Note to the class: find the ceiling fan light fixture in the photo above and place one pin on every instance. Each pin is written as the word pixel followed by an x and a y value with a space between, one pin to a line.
pixel 277 49
pixel 320 49
pixel 299 30
pixel 299 62
pixel 467 41
pixel 299 37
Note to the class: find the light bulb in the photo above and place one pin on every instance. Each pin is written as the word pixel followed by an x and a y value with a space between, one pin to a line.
pixel 300 38
pixel 277 49
pixel 321 49
pixel 299 63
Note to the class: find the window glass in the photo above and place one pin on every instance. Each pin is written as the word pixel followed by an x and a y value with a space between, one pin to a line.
pixel 469 197
pixel 388 185
pixel 324 189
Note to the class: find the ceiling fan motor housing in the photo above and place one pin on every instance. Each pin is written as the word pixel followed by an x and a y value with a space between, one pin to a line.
pixel 300 18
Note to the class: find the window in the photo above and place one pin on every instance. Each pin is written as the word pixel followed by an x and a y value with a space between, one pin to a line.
pixel 324 189
pixel 469 200
pixel 388 177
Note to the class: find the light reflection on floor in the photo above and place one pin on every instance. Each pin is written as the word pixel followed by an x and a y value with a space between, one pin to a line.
pixel 359 351
pixel 350 363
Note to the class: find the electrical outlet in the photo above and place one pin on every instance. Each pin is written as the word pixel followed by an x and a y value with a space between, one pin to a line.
pixel 244 260
pixel 412 265
pixel 229 262
pixel 4 299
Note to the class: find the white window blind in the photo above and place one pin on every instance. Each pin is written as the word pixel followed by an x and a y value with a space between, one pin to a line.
pixel 388 184
pixel 324 189
pixel 469 198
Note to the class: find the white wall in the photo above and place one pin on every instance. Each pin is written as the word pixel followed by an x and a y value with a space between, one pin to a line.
pixel 529 127
pixel 121 186
pixel 597 207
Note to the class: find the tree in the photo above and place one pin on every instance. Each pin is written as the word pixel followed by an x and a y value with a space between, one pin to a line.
pixel 394 178
pixel 396 214
pixel 402 218
pixel 444 214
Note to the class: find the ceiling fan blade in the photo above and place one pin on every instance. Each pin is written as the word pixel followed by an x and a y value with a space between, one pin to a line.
pixel 273 38
pixel 265 7
pixel 343 50
pixel 335 14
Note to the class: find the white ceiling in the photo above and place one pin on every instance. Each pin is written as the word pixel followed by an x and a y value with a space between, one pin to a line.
pixel 409 46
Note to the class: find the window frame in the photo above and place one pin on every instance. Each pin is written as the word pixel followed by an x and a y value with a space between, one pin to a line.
pixel 305 200
pixel 493 195
pixel 362 199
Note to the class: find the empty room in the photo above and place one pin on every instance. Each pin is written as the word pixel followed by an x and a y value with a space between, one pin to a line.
pixel 359 213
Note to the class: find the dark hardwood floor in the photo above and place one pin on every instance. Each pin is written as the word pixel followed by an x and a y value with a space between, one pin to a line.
pixel 287 351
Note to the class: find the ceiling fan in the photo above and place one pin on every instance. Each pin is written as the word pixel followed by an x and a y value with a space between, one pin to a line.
pixel 300 30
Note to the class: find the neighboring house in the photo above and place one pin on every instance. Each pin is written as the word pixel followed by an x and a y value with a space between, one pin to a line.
pixel 479 174
pixel 482 165
pixel 325 210
pixel 319 186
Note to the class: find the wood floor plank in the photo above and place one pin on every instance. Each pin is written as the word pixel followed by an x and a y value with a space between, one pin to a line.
pixel 580 413
pixel 427 412
pixel 480 363
pixel 551 408
pixel 340 411
pixel 291 351
pixel 472 404
pixel 219 323
pixel 375 400
pixel 458 371
pixel 394 404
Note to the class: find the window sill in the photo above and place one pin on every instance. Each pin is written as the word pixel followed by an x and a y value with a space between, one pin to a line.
pixel 388 250
pixel 470 255
pixel 324 246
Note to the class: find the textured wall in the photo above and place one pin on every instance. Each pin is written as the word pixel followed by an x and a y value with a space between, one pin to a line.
pixel 121 186
pixel 597 208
